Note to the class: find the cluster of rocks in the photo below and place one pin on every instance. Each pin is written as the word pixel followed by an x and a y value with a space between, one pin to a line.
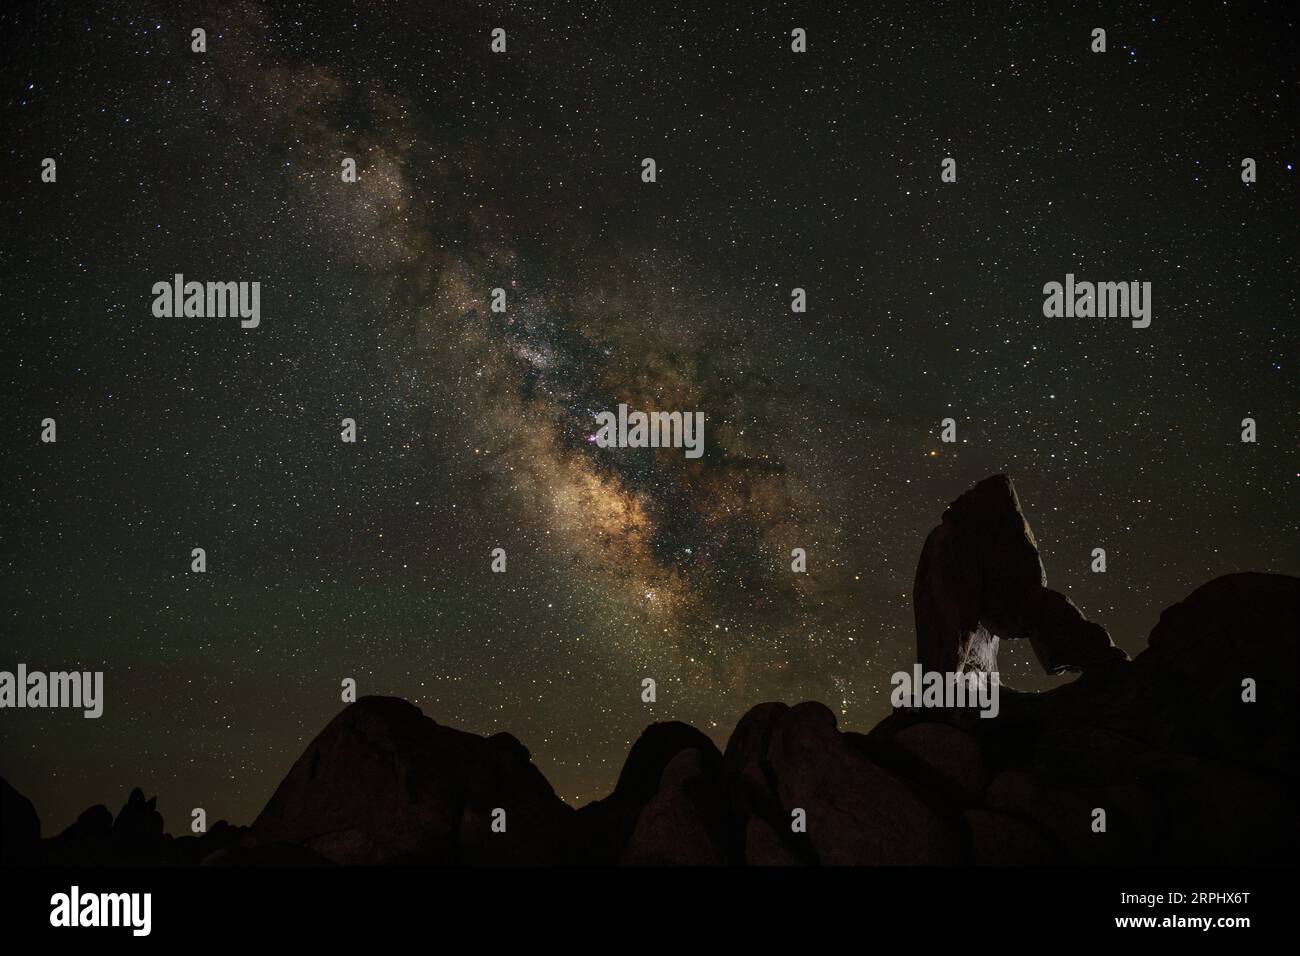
pixel 134 837
pixel 1190 750
pixel 1186 771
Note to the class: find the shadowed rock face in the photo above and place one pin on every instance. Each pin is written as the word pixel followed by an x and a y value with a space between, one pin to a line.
pixel 1235 628
pixel 793 761
pixel 685 822
pixel 382 783
pixel 668 807
pixel 980 579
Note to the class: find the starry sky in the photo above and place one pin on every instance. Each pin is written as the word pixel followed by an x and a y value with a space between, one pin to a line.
pixel 522 171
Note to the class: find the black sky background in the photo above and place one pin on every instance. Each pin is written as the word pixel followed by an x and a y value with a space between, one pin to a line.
pixel 522 170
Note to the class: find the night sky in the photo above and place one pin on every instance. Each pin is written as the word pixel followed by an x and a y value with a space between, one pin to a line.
pixel 522 171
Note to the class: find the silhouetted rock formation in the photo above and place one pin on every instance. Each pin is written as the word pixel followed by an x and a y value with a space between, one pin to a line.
pixel 791 759
pixel 87 840
pixel 980 578
pixel 136 837
pixel 685 822
pixel 1189 751
pixel 20 828
pixel 1238 626
pixel 681 827
pixel 382 783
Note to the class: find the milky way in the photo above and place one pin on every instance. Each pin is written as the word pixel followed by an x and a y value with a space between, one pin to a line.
pixel 667 543
pixel 521 171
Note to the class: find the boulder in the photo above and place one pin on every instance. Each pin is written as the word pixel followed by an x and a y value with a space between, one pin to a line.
pixel 604 828
pixel 856 812
pixel 944 758
pixel 684 823
pixel 1237 628
pixel 383 783
pixel 658 745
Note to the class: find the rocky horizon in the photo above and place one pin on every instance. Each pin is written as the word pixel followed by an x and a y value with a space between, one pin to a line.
pixel 1182 777
pixel 1185 754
